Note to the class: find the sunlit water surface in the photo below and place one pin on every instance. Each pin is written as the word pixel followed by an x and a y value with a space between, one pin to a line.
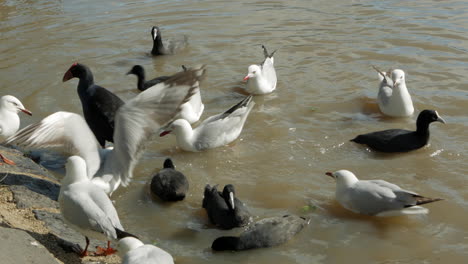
pixel 325 96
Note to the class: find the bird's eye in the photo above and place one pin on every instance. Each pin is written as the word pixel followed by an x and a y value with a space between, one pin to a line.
pixel 254 72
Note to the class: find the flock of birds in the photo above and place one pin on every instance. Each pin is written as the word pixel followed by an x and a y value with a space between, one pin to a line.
pixel 171 104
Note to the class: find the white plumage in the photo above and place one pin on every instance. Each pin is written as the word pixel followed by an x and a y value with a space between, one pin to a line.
pixel 133 251
pixel 376 197
pixel 261 79
pixel 215 131
pixel 393 97
pixel 135 123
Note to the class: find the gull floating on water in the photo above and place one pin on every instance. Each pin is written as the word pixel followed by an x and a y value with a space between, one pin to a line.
pixel 135 122
pixel 400 140
pixel 376 197
pixel 393 97
pixel 9 119
pixel 261 79
pixel 215 131
pixel 85 207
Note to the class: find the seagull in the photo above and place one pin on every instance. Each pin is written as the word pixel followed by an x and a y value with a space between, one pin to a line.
pixel 135 122
pixel 400 140
pixel 85 207
pixel 99 104
pixel 224 209
pixel 376 197
pixel 168 46
pixel 215 131
pixel 261 79
pixel 393 97
pixel 267 232
pixel 9 119
pixel 190 111
pixel 169 184
pixel 133 251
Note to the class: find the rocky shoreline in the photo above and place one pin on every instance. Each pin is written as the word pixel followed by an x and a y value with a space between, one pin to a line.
pixel 31 227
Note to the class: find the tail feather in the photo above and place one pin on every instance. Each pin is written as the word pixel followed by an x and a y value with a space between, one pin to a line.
pixel 122 234
pixel 265 52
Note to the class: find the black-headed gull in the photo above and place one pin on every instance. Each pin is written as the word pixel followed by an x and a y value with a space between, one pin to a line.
pixel 99 104
pixel 376 197
pixel 135 123
pixel 133 251
pixel 9 119
pixel 223 208
pixel 393 97
pixel 215 131
pixel 261 79
pixel 267 232
pixel 166 46
pixel 190 111
pixel 401 140
pixel 169 184
pixel 85 207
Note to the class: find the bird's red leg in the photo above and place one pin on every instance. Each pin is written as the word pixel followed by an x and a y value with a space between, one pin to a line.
pixel 105 252
pixel 7 161
pixel 84 253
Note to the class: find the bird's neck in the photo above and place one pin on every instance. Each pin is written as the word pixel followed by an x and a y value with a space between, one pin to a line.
pixel 10 122
pixel 422 128
pixel 141 82
pixel 184 135
pixel 85 85
pixel 157 44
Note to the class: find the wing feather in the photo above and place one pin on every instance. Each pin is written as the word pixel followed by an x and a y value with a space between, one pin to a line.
pixel 141 117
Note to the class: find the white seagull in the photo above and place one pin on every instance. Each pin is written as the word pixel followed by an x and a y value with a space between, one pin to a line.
pixel 133 251
pixel 393 97
pixel 135 122
pixel 9 119
pixel 215 131
pixel 85 207
pixel 261 79
pixel 376 197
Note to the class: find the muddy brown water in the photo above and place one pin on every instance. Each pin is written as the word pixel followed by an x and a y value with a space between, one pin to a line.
pixel 325 96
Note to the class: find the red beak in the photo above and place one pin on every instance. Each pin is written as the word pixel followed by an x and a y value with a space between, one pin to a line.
pixel 26 111
pixel 164 133
pixel 329 174
pixel 68 75
pixel 246 78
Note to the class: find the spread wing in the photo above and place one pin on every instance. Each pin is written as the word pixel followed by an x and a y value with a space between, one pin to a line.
pixel 66 131
pixel 141 117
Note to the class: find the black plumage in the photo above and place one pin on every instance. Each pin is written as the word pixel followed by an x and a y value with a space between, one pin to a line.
pixel 224 209
pixel 267 232
pixel 142 83
pixel 169 184
pixel 400 140
pixel 99 104
pixel 168 46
